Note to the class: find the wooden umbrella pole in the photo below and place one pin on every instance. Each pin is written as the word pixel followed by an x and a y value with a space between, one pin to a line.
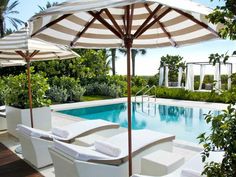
pixel 128 43
pixel 30 91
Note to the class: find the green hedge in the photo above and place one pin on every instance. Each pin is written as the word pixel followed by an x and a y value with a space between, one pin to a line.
pixel 182 94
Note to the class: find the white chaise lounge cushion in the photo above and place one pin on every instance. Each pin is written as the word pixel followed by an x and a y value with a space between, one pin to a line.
pixel 107 148
pixel 140 138
pixel 72 130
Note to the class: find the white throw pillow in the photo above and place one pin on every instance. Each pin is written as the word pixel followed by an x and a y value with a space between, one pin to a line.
pixel 60 132
pixel 107 148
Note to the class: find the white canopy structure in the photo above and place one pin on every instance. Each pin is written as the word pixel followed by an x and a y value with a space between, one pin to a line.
pixel 203 67
pixel 124 23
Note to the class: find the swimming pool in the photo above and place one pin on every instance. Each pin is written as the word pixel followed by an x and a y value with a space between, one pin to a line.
pixel 185 123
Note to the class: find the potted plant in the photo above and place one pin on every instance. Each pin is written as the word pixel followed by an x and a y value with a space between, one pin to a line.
pixel 17 102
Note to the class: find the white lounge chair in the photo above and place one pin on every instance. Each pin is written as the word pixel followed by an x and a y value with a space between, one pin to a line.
pixel 35 142
pixel 109 158
pixel 192 168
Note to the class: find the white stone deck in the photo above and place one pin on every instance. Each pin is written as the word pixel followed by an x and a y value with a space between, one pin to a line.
pixel 186 149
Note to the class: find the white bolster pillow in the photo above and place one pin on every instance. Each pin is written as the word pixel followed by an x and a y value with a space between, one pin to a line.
pixel 107 148
pixel 60 132
pixel 24 129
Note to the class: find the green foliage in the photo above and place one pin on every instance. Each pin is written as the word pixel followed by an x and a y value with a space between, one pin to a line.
pixel 217 58
pixel 182 94
pixel 139 81
pixel 57 94
pixel 173 62
pixel 2 91
pixel 78 93
pixel 95 97
pixel 114 91
pixel 104 89
pixel 17 90
pixel 90 64
pixel 13 70
pixel 225 15
pixel 48 5
pixel 67 83
pixel 222 137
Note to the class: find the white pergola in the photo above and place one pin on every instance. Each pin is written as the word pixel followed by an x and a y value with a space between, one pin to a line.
pixel 217 74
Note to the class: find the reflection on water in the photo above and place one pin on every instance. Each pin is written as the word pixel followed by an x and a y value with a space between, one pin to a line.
pixel 185 123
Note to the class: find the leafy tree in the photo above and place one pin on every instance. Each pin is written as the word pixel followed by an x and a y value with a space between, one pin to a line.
pixel 91 63
pixel 226 15
pixel 221 138
pixel 134 53
pixel 6 10
pixel 173 62
pixel 48 5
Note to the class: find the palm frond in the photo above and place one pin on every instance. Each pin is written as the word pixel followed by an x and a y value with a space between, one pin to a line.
pixel 15 22
pixel 12 6
pixel 13 12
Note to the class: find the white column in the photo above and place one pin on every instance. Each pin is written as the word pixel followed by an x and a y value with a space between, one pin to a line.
pixel 161 76
pixel 180 75
pixel 166 76
pixel 190 78
pixel 229 73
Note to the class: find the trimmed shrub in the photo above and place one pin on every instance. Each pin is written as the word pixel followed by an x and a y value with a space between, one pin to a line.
pixel 78 93
pixel 67 83
pixel 57 94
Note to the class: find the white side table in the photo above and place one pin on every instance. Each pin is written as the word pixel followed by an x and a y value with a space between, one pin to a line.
pixel 160 163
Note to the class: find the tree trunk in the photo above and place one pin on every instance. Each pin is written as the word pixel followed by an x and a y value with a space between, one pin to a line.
pixel 2 27
pixel 113 61
pixel 133 61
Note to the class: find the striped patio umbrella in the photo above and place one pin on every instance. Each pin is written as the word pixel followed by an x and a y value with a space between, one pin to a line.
pixel 19 48
pixel 124 23
pixel 8 63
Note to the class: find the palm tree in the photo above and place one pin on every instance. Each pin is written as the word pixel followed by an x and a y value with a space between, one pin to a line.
pixel 113 61
pixel 134 53
pixel 6 10
pixel 48 5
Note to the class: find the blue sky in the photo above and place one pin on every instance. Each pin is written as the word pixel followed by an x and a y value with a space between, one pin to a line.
pixel 148 64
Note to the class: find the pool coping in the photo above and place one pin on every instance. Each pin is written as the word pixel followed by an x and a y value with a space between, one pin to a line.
pixel 162 101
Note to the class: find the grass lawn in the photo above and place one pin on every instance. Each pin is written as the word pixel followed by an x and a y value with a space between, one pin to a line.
pixel 95 97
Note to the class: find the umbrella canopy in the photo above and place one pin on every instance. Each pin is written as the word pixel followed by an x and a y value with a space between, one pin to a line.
pixel 103 24
pixel 124 23
pixel 19 41
pixel 8 63
pixel 18 46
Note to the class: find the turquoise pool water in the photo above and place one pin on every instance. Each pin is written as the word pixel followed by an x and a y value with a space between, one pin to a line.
pixel 185 123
